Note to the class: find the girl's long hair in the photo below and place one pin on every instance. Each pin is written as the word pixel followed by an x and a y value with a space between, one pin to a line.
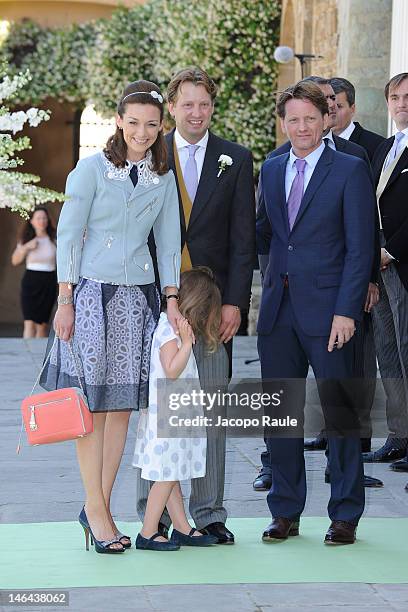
pixel 200 303
pixel 27 232
pixel 116 148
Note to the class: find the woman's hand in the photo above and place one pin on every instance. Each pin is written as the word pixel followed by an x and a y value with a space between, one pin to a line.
pixel 64 322
pixel 22 250
pixel 31 244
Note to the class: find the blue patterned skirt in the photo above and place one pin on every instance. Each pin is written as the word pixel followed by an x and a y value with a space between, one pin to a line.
pixel 114 326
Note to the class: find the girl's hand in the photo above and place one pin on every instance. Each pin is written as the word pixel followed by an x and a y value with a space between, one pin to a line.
pixel 64 322
pixel 186 333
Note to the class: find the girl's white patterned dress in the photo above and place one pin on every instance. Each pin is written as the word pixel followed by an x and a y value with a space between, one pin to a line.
pixel 175 458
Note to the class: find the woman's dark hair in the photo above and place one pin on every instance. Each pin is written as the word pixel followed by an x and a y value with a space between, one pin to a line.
pixel 27 232
pixel 116 148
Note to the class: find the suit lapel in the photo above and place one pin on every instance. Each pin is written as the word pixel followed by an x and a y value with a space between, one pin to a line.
pixel 380 161
pixel 281 194
pixel 208 179
pixel 356 133
pixel 340 143
pixel 401 164
pixel 319 174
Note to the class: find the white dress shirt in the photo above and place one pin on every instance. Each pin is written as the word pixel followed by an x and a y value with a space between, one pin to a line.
pixel 182 150
pixel 348 131
pixel 311 161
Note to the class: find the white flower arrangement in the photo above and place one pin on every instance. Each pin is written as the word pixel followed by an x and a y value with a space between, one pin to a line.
pixel 224 161
pixel 17 190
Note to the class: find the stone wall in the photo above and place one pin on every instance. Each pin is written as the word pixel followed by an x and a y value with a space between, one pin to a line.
pixel 354 38
pixel 363 56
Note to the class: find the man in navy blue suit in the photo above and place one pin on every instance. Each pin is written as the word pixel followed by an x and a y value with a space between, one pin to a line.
pixel 316 223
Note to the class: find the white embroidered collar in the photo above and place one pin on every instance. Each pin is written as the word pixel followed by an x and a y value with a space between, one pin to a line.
pixel 146 176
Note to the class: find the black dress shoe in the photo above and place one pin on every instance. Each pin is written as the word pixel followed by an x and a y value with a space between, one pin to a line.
pixel 262 482
pixel 369 481
pixel 319 443
pixel 365 445
pixel 280 529
pixel 394 448
pixel 400 466
pixel 163 530
pixel 341 532
pixel 219 530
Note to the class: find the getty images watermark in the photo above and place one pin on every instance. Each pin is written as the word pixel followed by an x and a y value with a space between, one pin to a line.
pixel 185 410
pixel 212 402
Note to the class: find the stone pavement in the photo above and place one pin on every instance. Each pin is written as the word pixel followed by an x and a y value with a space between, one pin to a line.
pixel 43 484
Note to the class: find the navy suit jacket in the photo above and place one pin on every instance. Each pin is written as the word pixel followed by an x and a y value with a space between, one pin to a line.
pixel 351 148
pixel 328 254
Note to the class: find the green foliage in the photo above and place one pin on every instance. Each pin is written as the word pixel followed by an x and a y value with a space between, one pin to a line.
pixel 92 62
pixel 124 52
pixel 56 60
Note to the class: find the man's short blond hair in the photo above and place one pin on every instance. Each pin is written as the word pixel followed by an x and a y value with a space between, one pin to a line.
pixel 194 75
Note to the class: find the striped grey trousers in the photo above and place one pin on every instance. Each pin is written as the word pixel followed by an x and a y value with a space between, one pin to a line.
pixel 390 319
pixel 207 493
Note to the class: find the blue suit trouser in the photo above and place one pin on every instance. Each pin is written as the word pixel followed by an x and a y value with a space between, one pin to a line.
pixel 286 353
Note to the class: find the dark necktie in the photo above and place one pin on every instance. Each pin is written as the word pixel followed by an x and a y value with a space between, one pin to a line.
pixel 134 175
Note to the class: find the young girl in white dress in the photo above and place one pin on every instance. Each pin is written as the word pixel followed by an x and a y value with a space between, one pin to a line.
pixel 166 461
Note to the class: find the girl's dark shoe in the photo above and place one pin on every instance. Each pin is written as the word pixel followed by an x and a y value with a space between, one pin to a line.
pixel 101 546
pixel 191 540
pixel 150 543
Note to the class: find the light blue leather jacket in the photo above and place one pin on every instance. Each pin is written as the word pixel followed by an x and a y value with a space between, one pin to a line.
pixel 105 223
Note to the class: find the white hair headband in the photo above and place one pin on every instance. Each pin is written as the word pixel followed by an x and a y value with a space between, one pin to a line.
pixel 152 93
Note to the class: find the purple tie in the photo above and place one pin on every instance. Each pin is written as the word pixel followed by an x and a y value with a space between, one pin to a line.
pixel 296 192
pixel 191 173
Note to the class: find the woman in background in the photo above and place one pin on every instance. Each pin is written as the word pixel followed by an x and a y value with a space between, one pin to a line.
pixel 36 246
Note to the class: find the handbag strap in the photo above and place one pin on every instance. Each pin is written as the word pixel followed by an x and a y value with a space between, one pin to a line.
pixel 46 360
pixel 49 357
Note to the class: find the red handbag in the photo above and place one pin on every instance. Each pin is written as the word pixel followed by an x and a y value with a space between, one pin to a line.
pixel 56 416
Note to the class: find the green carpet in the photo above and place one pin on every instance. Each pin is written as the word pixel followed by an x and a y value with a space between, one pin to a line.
pixel 53 555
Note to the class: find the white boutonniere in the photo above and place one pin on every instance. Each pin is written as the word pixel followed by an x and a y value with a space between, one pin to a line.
pixel 224 161
pixel 405 170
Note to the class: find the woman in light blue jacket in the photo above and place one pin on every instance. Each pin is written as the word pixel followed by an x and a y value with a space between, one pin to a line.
pixel 108 302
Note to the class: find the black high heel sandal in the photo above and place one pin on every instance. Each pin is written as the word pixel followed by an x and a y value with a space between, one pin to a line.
pixel 101 546
pixel 121 536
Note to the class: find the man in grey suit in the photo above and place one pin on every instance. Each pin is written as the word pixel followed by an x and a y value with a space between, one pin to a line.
pixel 390 316
pixel 217 215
